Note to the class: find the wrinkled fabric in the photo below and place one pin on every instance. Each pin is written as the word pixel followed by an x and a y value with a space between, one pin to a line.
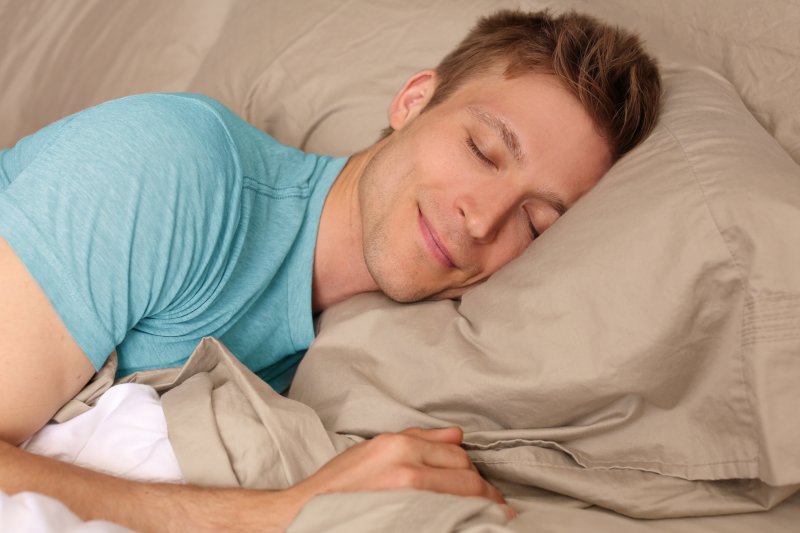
pixel 124 435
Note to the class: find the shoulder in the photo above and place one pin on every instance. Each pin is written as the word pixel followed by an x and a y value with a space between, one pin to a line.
pixel 157 147
pixel 165 121
pixel 150 137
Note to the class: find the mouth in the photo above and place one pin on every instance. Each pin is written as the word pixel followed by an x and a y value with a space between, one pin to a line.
pixel 434 244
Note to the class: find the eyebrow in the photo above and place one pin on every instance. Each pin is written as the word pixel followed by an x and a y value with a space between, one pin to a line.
pixel 511 141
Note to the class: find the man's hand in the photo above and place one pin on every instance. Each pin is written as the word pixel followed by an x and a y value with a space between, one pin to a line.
pixel 421 459
pixel 414 459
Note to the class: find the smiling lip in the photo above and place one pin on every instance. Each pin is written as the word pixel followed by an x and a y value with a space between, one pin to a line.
pixel 435 245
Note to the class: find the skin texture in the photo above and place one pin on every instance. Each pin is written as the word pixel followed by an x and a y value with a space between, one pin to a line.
pixel 431 210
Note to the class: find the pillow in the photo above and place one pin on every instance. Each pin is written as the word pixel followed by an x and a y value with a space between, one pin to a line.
pixel 57 58
pixel 655 328
pixel 320 75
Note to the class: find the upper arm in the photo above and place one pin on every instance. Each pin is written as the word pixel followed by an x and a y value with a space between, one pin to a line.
pixel 41 365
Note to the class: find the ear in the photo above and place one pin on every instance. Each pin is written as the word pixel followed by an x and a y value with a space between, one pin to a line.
pixel 412 98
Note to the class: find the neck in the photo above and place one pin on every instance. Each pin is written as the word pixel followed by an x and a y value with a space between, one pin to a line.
pixel 340 270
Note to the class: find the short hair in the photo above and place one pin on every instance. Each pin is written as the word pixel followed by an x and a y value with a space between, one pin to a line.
pixel 604 66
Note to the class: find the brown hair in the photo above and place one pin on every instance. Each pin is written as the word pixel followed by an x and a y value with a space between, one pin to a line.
pixel 605 67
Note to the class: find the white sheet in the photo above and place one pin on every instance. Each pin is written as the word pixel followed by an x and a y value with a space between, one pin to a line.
pixel 33 512
pixel 124 435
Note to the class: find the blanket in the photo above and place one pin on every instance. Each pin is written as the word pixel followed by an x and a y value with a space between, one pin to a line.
pixel 228 428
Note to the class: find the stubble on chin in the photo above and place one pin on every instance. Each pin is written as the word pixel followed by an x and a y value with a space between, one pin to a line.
pixel 395 281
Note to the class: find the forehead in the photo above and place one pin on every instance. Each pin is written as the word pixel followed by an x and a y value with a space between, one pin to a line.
pixel 555 136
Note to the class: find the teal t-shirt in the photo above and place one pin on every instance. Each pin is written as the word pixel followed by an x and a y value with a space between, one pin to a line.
pixel 155 220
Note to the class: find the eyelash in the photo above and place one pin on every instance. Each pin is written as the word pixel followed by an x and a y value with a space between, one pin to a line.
pixel 534 233
pixel 477 151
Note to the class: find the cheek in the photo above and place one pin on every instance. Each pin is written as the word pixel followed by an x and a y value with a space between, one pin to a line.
pixel 439 160
pixel 519 247
pixel 511 246
pixel 384 177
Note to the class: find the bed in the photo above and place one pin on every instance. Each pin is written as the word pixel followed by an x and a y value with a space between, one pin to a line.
pixel 635 370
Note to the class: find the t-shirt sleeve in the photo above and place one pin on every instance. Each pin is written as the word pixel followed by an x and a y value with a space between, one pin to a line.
pixel 125 212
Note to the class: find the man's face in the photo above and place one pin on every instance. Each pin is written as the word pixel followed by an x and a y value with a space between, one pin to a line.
pixel 460 190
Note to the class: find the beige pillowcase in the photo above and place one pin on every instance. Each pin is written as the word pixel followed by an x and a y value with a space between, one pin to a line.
pixel 655 327
pixel 57 58
pixel 320 74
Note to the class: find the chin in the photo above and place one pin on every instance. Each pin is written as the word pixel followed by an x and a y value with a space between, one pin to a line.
pixel 407 293
pixel 404 295
pixel 399 281
pixel 401 289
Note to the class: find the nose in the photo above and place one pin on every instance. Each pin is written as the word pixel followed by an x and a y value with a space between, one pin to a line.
pixel 486 210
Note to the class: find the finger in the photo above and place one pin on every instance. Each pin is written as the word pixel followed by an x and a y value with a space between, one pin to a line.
pixel 452 435
pixel 494 494
pixel 497 496
pixel 460 483
pixel 444 455
pixel 454 457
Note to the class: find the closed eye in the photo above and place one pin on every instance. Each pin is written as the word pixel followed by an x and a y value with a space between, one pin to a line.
pixel 477 151
pixel 533 231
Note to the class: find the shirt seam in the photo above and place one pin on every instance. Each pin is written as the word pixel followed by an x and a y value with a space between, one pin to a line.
pixel 53 138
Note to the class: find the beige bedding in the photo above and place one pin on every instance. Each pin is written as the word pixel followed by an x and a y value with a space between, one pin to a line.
pixel 228 428
pixel 428 513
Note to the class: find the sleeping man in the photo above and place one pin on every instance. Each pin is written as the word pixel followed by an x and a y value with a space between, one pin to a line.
pixel 142 225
